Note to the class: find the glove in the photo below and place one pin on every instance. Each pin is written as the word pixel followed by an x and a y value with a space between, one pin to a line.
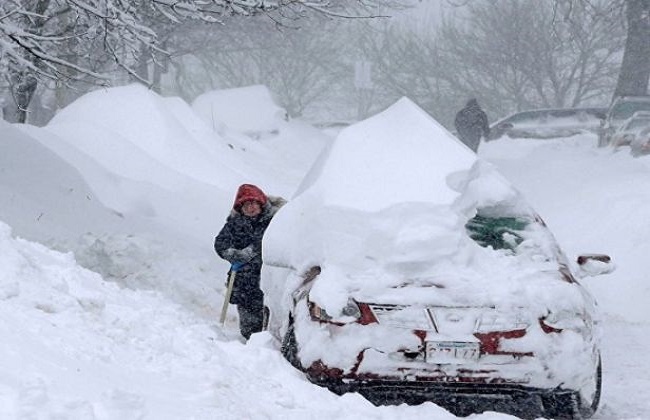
pixel 244 255
pixel 236 266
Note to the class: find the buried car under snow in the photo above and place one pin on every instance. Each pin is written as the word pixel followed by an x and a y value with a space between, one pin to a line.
pixel 407 270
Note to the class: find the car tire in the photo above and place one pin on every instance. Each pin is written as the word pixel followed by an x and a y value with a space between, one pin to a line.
pixel 289 348
pixel 590 400
pixel 575 405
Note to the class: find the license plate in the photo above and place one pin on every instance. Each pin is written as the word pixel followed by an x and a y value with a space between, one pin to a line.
pixel 452 352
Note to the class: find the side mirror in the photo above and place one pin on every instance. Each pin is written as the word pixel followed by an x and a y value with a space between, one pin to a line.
pixel 595 264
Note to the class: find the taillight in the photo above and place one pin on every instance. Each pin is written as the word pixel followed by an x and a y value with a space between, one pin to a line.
pixel 547 328
pixel 556 322
pixel 491 341
pixel 367 316
pixel 349 313
pixel 493 327
pixel 317 313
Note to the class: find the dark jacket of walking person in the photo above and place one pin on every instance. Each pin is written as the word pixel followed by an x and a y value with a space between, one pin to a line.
pixel 471 123
pixel 240 241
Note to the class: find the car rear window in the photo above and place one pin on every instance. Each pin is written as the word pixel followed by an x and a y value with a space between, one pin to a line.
pixel 624 110
pixel 497 232
pixel 553 116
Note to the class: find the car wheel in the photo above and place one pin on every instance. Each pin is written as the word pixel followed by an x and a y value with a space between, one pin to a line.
pixel 289 348
pixel 575 405
pixel 590 395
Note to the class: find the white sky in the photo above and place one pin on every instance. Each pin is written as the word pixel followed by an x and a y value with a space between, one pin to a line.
pixel 137 186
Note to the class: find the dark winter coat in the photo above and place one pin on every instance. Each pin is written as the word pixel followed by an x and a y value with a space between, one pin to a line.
pixel 240 240
pixel 472 123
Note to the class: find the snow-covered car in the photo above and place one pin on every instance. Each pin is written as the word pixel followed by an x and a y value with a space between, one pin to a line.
pixel 640 145
pixel 548 123
pixel 250 110
pixel 631 128
pixel 622 108
pixel 408 270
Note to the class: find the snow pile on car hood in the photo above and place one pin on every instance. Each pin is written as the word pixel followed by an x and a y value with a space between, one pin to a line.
pixel 386 205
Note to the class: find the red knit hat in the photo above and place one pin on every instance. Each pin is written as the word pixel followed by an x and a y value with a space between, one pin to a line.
pixel 249 192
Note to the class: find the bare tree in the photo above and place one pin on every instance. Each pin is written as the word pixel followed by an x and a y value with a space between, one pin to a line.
pixel 525 54
pixel 406 63
pixel 35 34
pixel 634 16
pixel 307 65
pixel 511 54
pixel 298 65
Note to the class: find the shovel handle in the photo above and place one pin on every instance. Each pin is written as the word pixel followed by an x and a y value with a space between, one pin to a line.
pixel 226 301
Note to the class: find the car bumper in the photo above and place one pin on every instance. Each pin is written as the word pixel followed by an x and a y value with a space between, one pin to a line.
pixel 423 374
pixel 505 377
pixel 461 399
pixel 521 386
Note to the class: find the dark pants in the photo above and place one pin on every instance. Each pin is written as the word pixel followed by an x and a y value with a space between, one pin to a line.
pixel 471 140
pixel 251 317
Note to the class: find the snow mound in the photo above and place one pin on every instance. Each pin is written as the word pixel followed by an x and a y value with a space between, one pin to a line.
pixel 42 197
pixel 400 155
pixel 111 125
pixel 248 109
pixel 356 203
pixel 127 336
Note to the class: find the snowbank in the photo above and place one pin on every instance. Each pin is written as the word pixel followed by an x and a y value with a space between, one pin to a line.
pixel 75 346
pixel 42 197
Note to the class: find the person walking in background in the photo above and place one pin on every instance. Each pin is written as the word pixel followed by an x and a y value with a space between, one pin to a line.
pixel 471 123
pixel 240 243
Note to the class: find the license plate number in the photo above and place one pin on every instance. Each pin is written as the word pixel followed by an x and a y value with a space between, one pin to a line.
pixel 452 352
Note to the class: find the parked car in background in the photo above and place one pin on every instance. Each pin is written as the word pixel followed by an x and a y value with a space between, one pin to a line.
pixel 630 129
pixel 423 275
pixel 640 145
pixel 548 123
pixel 622 108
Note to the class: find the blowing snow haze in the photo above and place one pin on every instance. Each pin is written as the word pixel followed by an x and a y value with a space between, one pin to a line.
pixel 110 290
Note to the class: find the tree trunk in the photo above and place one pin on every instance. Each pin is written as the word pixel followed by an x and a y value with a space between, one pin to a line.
pixel 635 69
pixel 23 82
pixel 159 68
pixel 142 66
pixel 22 86
pixel 64 94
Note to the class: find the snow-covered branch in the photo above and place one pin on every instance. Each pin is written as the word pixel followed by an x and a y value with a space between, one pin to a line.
pixel 66 39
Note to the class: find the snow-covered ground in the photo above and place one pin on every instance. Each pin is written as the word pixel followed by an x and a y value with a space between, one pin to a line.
pixel 134 187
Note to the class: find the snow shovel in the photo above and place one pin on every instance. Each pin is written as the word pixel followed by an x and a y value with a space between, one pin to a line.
pixel 231 281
